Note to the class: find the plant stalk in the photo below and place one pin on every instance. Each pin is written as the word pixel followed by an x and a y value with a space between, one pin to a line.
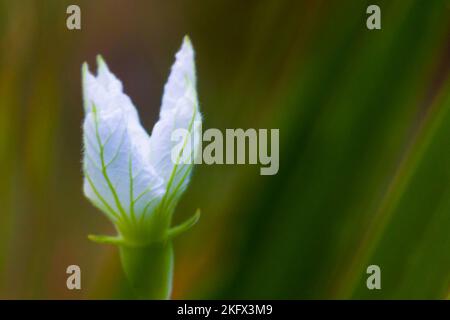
pixel 149 269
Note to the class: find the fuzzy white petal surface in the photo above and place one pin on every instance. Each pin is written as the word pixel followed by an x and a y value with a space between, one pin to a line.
pixel 119 178
pixel 179 109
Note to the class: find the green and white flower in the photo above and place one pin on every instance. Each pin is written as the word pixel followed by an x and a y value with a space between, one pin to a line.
pixel 128 174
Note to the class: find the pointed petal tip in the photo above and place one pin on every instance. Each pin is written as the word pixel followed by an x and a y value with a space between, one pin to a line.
pixel 100 60
pixel 187 40
pixel 187 44
pixel 84 70
pixel 101 64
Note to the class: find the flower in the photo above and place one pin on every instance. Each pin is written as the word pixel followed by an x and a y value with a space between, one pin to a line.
pixel 128 174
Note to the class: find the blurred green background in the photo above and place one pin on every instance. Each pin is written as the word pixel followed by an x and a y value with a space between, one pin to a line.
pixel 364 145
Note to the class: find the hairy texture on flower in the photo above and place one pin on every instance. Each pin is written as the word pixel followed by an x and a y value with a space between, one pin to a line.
pixel 179 110
pixel 130 175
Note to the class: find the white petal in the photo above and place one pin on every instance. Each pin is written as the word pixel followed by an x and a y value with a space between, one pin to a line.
pixel 118 176
pixel 179 110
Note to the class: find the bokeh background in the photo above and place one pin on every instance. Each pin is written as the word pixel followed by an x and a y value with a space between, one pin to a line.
pixel 364 145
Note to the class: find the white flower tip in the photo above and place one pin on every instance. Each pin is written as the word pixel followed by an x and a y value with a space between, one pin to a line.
pixel 85 73
pixel 103 83
pixel 101 62
pixel 187 40
pixel 84 68
pixel 103 73
pixel 186 49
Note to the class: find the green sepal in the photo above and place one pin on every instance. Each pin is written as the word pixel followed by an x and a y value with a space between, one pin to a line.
pixel 179 229
pixel 116 240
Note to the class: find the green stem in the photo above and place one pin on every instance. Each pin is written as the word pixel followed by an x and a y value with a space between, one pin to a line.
pixel 149 269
